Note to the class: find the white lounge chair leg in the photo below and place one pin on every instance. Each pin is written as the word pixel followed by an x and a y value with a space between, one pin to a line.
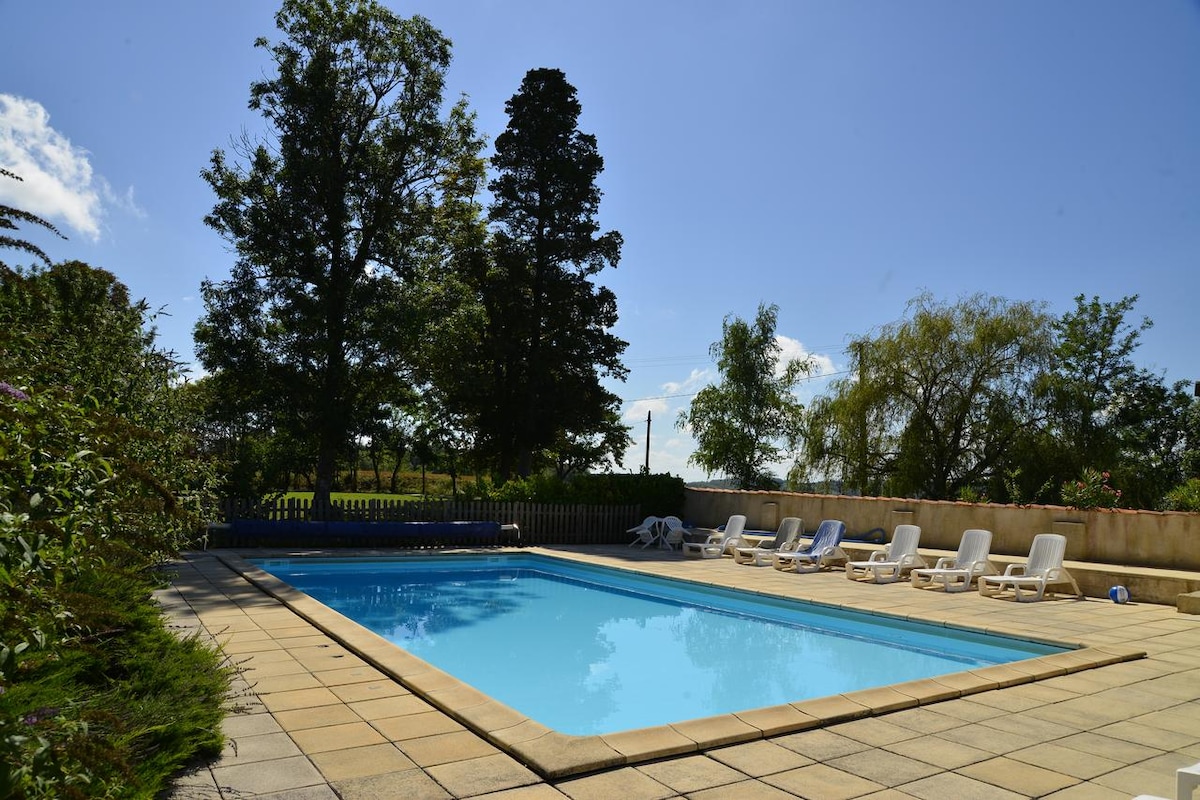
pixel 953 584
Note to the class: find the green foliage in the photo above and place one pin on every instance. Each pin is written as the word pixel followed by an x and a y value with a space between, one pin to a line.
pixel 938 402
pixel 98 483
pixel 1091 490
pixel 527 380
pixel 1014 488
pixel 9 217
pixel 1185 497
pixel 739 423
pixel 119 710
pixel 658 494
pixel 1104 409
pixel 971 494
pixel 337 221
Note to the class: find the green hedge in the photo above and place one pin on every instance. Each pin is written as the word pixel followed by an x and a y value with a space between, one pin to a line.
pixel 657 494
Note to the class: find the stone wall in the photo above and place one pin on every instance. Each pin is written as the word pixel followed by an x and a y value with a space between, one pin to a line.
pixel 1158 539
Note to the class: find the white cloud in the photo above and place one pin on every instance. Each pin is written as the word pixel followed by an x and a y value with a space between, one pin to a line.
pixel 790 349
pixel 695 380
pixel 57 179
pixel 124 201
pixel 637 410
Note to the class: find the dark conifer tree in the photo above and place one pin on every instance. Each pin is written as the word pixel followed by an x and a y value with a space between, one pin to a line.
pixel 548 341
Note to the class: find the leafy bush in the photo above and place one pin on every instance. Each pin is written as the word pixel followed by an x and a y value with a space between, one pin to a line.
pixel 1091 491
pixel 657 494
pixel 1185 497
pixel 117 710
pixel 98 484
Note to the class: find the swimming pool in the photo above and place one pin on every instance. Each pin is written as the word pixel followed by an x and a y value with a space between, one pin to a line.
pixel 589 650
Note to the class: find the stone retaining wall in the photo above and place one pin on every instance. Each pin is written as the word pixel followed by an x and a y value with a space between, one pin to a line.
pixel 1158 539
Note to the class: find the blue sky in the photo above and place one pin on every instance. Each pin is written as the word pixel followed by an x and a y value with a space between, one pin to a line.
pixel 835 158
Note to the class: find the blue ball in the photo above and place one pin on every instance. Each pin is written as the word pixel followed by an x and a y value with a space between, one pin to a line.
pixel 1118 594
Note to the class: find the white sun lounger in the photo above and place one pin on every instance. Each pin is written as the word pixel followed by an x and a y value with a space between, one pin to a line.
pixel 785 539
pixel 719 543
pixel 890 564
pixel 1028 581
pixel 956 573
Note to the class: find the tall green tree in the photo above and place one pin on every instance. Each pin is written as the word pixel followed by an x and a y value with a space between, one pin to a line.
pixel 1093 367
pixel 336 218
pixel 535 388
pixel 936 403
pixel 751 419
pixel 1108 413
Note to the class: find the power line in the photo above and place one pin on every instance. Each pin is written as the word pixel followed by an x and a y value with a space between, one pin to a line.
pixel 693 394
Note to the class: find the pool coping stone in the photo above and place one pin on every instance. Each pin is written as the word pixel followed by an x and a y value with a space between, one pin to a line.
pixel 555 755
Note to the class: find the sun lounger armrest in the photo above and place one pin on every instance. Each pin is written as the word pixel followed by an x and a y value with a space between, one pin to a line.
pixel 878 555
pixel 1014 569
pixel 945 562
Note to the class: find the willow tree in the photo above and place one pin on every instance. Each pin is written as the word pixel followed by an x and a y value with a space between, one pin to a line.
pixel 936 403
pixel 751 419
pixel 335 217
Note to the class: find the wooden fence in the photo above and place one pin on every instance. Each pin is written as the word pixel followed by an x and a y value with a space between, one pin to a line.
pixel 539 523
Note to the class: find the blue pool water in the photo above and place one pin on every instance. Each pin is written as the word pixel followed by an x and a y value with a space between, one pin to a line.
pixel 588 650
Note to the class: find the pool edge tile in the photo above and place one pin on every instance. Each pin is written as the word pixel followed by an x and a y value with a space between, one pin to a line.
pixel 1003 675
pixel 644 744
pixel 491 716
pixel 558 755
pixel 927 690
pixel 775 720
pixel 835 708
pixel 718 730
pixel 524 731
pixel 882 699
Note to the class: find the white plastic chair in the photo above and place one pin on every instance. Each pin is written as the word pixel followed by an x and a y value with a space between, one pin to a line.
pixel 896 558
pixel 1028 581
pixel 646 532
pixel 824 549
pixel 956 573
pixel 785 539
pixel 670 532
pixel 719 543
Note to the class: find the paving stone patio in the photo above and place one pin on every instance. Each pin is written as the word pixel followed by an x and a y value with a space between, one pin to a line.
pixel 314 717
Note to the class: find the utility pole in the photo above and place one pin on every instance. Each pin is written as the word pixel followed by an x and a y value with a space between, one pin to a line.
pixel 647 465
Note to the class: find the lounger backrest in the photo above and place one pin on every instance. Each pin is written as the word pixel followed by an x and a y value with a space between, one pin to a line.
pixel 829 534
pixel 737 524
pixel 1046 553
pixel 976 546
pixel 789 530
pixel 781 534
pixel 904 542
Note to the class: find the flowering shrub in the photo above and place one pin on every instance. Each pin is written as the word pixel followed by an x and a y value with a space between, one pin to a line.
pixel 1091 491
